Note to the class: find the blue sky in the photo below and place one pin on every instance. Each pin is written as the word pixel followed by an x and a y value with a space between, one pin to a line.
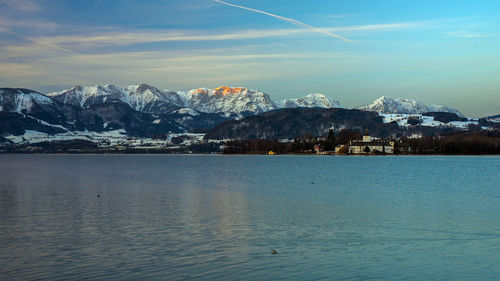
pixel 437 52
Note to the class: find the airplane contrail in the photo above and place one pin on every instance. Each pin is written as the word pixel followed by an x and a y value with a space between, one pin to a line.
pixel 292 21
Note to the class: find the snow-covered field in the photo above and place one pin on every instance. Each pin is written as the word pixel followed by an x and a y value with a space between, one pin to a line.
pixel 428 121
pixel 110 139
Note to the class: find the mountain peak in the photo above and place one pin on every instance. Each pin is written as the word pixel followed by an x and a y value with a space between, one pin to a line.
pixel 224 90
pixel 238 100
pixel 19 99
pixel 311 100
pixel 389 105
pixel 384 99
pixel 203 91
pixel 144 87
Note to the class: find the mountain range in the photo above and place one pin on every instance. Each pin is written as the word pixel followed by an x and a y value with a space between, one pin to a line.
pixel 223 100
pixel 146 111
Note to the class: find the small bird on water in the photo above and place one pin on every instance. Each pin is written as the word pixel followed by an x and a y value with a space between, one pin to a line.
pixel 98 195
pixel 274 252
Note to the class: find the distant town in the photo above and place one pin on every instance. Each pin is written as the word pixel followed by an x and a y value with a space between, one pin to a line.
pixel 348 142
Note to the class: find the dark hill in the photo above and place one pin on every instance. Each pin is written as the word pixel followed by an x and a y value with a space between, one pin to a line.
pixel 295 122
pixel 445 117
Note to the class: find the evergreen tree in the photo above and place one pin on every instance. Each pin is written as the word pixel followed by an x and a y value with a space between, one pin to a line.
pixel 330 141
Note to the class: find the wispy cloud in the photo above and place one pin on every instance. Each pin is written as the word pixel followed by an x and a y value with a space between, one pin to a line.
pixel 171 69
pixel 23 5
pixel 85 58
pixel 469 34
pixel 292 21
pixel 33 47
pixel 14 22
pixel 130 37
pixel 337 16
pixel 141 36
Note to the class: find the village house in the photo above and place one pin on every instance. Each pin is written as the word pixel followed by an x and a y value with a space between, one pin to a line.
pixel 341 148
pixel 371 145
pixel 318 149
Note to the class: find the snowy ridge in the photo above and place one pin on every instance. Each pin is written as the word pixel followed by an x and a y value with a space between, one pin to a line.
pixel 311 100
pixel 388 105
pixel 19 100
pixel 229 100
pixel 145 98
pixel 403 120
pixel 85 96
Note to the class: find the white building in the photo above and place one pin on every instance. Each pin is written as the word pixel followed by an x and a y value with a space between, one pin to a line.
pixel 371 145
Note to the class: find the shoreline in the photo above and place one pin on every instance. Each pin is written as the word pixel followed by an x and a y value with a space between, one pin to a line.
pixel 236 154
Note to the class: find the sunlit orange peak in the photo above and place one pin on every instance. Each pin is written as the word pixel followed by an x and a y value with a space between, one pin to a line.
pixel 201 91
pixel 238 90
pixel 223 90
pixel 227 90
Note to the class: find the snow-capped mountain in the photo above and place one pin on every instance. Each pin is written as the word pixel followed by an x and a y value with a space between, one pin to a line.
pixel 228 100
pixel 100 109
pixel 21 100
pixel 311 100
pixel 85 96
pixel 148 99
pixel 388 105
pixel 143 98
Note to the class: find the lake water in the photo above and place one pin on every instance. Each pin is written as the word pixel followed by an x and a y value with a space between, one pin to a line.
pixel 169 217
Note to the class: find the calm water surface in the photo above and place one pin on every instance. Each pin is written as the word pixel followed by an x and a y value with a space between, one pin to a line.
pixel 167 217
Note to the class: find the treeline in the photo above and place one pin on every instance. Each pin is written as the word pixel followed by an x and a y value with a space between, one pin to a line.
pixel 468 142
pixel 303 144
pixel 465 142
pixel 85 146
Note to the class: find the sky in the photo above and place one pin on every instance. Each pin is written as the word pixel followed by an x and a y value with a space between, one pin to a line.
pixel 437 52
